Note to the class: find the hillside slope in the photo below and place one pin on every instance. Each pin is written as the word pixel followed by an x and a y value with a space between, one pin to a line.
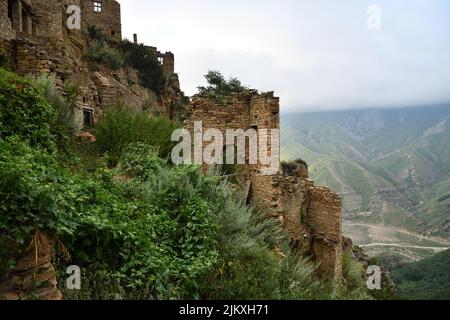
pixel 392 166
pixel 427 279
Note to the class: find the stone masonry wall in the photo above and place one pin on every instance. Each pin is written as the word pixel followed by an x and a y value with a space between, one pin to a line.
pixel 34 277
pixel 108 19
pixel 311 215
pixel 324 216
pixel 7 32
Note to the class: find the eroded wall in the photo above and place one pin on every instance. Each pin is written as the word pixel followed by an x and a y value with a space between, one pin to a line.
pixel 108 18
pixel 311 215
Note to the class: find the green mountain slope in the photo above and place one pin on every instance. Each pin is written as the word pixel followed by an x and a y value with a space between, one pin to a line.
pixel 392 166
pixel 427 279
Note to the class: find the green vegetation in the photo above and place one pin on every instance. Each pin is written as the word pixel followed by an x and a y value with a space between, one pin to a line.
pixel 219 87
pixel 102 50
pixel 428 279
pixel 290 168
pixel 102 53
pixel 25 112
pixel 353 271
pixel 140 228
pixel 121 127
pixel 141 58
pixel 5 61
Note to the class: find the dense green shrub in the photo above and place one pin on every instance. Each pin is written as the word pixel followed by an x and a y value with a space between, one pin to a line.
pixel 290 168
pixel 95 33
pixel 157 234
pixel 101 52
pixel 121 126
pixel 427 279
pixel 24 111
pixel 5 60
pixel 151 73
pixel 30 193
pixel 353 271
pixel 64 127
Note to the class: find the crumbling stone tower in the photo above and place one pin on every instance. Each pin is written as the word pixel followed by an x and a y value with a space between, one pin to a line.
pixel 311 215
pixel 104 14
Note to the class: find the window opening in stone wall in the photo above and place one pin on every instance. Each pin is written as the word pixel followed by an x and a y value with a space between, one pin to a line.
pixel 88 117
pixel 113 33
pixel 10 9
pixel 97 6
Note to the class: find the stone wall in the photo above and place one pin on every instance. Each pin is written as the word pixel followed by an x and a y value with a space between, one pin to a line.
pixel 325 218
pixel 34 277
pixel 7 32
pixel 108 18
pixel 311 215
pixel 166 59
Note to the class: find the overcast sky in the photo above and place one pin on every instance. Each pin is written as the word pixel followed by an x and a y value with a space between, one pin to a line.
pixel 315 54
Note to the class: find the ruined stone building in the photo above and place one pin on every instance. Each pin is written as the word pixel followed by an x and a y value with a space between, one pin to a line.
pixel 35 37
pixel 310 214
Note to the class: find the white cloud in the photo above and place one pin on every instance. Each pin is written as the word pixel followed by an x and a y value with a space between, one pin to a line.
pixel 313 54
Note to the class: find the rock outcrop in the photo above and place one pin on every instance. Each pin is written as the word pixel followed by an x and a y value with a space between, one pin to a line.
pixel 34 277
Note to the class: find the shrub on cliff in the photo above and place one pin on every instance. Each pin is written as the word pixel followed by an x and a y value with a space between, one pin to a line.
pixel 154 230
pixel 64 127
pixel 101 52
pixel 219 87
pixel 139 57
pixel 25 112
pixel 121 126
pixel 5 61
pixel 101 49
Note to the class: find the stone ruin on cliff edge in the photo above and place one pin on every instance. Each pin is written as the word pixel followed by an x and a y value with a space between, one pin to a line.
pixel 311 215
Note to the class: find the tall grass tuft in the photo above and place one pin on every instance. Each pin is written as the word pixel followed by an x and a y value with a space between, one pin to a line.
pixel 120 127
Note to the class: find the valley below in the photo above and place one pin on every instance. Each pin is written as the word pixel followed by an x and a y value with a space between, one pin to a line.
pixel 390 166
pixel 379 240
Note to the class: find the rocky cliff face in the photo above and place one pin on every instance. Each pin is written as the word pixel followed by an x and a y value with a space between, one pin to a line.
pixel 53 50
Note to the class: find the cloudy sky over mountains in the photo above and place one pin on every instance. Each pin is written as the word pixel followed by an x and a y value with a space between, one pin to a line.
pixel 314 54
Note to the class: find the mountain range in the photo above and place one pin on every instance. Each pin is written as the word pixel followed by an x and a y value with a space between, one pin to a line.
pixel 391 166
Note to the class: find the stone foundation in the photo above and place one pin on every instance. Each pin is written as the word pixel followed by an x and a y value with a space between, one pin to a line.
pixel 34 277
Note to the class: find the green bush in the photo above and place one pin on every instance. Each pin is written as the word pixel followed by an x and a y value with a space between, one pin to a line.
pixel 144 229
pixel 5 61
pixel 219 87
pixel 121 126
pixel 101 52
pixel 64 127
pixel 95 33
pixel 25 112
pixel 151 73
pixel 157 234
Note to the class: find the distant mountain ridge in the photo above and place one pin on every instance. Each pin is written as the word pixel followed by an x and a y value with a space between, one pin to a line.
pixel 392 166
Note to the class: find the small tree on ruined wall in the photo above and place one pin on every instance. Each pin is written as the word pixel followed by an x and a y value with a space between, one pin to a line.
pixel 219 87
